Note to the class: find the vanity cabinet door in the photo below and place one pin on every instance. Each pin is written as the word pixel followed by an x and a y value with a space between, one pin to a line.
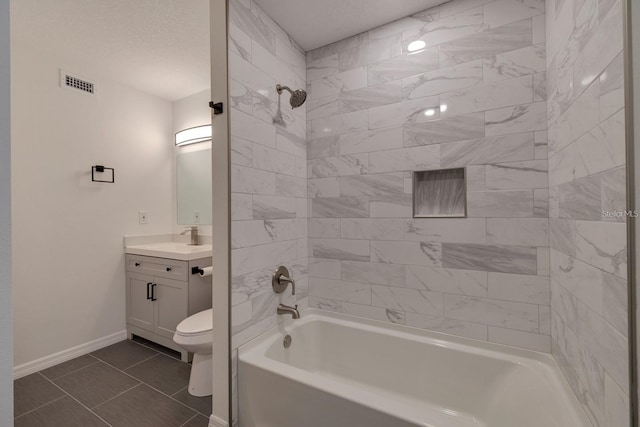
pixel 171 305
pixel 139 306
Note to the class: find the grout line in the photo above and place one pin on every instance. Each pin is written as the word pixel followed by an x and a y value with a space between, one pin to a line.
pixel 142 344
pixel 184 388
pixel 72 372
pixel 190 419
pixel 156 350
pixel 198 411
pixel 80 403
pixel 119 394
pixel 155 389
pixel 138 363
pixel 139 383
pixel 39 407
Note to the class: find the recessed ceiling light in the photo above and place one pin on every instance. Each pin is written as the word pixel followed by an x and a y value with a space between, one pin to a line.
pixel 430 112
pixel 443 108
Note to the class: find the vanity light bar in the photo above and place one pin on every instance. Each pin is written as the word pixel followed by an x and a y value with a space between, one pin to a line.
pixel 193 135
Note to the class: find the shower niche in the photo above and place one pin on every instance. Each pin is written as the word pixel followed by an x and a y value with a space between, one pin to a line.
pixel 440 193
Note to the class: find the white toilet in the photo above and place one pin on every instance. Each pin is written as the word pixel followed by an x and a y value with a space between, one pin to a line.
pixel 195 334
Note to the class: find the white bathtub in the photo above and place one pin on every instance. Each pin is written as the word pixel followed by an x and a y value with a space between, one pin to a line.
pixel 345 371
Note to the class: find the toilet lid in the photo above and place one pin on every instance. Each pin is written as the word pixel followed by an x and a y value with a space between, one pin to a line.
pixel 196 324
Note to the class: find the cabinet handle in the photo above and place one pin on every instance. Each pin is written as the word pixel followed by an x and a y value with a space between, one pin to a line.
pixel 153 292
pixel 149 290
pixel 169 268
pixel 137 264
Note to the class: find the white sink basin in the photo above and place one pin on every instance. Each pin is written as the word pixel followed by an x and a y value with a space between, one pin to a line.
pixel 172 250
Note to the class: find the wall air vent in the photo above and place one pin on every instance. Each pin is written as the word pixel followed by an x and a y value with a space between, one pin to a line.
pixel 69 81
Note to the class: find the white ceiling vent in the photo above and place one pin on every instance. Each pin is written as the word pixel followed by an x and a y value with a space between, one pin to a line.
pixel 72 82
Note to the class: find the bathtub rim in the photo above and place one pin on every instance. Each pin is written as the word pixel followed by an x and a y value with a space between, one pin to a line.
pixel 490 349
pixel 254 353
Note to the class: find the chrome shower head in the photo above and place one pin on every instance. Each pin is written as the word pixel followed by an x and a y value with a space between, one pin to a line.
pixel 298 96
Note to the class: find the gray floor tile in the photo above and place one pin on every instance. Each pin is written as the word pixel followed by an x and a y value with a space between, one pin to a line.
pixel 32 392
pixel 200 404
pixel 124 354
pixel 64 412
pixel 163 373
pixel 157 347
pixel 198 421
pixel 68 367
pixel 95 384
pixel 144 407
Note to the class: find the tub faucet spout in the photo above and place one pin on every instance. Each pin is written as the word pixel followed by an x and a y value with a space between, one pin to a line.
pixel 285 309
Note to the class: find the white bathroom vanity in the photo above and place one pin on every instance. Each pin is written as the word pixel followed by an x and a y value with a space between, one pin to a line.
pixel 164 287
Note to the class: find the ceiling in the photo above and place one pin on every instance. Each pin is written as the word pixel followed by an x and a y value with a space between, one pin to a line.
pixel 316 23
pixel 157 46
pixel 162 46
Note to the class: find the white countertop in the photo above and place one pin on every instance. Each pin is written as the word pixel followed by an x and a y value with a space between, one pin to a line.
pixel 171 250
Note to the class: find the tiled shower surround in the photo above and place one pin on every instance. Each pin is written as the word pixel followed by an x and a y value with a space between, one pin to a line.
pixel 534 265
pixel 268 173
pixel 587 180
pixel 474 97
pixel 268 169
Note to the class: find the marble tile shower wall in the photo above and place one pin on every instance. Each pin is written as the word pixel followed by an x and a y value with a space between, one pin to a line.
pixel 587 178
pixel 268 169
pixel 473 96
pixel 268 173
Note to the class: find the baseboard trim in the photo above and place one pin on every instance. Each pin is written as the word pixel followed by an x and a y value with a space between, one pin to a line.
pixel 62 356
pixel 217 422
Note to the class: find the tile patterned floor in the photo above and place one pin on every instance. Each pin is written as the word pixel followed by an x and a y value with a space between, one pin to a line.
pixel 128 384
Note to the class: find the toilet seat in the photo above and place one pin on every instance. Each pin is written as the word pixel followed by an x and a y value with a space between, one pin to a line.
pixel 197 324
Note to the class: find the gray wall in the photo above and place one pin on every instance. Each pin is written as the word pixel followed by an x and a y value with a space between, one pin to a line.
pixel 587 179
pixel 6 337
pixel 484 276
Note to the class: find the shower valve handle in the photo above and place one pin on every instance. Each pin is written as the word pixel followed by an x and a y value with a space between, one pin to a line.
pixel 281 280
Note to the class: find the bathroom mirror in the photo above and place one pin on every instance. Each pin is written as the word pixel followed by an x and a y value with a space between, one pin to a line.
pixel 193 187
